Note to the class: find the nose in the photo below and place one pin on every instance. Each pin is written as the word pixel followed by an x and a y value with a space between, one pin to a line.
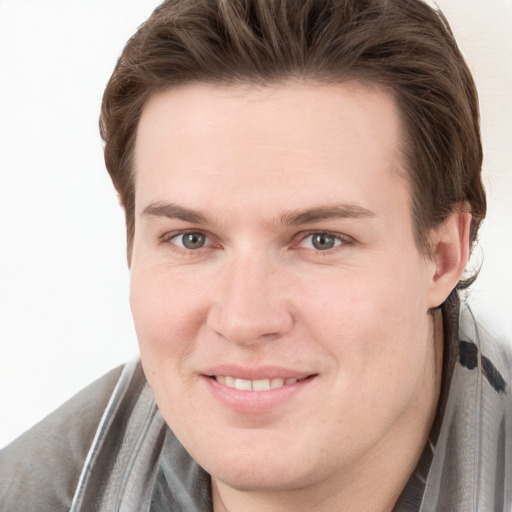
pixel 251 305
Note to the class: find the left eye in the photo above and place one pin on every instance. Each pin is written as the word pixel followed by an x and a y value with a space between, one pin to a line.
pixel 321 241
pixel 190 241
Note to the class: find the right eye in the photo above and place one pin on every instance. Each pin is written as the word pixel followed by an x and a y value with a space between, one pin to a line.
pixel 189 241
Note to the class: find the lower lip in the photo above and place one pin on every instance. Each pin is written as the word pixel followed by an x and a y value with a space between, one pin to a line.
pixel 255 402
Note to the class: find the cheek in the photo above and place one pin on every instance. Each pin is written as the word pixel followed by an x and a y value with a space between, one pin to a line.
pixel 167 317
pixel 165 312
pixel 369 317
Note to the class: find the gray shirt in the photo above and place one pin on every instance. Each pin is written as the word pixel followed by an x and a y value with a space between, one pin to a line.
pixel 109 449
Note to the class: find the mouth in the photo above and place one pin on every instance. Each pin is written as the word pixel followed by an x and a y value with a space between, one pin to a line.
pixel 259 384
pixel 256 391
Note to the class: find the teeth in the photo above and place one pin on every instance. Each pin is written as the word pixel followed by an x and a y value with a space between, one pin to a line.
pixel 260 385
pixel 243 385
pixel 276 383
pixel 254 385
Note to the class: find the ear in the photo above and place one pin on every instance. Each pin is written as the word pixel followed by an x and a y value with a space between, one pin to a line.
pixel 450 254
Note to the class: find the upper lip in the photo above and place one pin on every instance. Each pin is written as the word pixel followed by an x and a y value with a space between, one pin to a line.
pixel 255 373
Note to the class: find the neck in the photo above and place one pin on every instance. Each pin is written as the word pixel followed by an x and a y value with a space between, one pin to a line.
pixel 374 489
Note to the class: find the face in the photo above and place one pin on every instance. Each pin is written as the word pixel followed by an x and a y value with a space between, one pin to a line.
pixel 279 298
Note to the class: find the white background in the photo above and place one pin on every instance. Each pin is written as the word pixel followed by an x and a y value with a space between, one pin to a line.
pixel 64 314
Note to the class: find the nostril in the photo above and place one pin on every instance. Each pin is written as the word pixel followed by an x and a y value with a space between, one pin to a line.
pixel 244 325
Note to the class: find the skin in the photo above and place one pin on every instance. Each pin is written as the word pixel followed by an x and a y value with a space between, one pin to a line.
pixel 255 173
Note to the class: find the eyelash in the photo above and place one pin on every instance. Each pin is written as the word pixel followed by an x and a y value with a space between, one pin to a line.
pixel 168 238
pixel 344 240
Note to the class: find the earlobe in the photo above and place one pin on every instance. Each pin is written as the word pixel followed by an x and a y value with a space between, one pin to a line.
pixel 450 254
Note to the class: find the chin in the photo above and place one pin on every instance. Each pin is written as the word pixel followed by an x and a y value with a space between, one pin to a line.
pixel 267 479
pixel 259 468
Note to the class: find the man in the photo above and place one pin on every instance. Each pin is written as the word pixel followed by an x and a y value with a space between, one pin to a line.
pixel 301 182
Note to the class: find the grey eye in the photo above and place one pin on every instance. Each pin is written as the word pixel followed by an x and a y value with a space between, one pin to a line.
pixel 191 240
pixel 323 241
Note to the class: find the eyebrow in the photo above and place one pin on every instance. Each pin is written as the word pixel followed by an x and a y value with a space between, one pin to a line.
pixel 312 215
pixel 290 219
pixel 173 211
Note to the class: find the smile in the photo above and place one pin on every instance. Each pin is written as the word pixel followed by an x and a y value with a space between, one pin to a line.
pixel 255 385
pixel 256 391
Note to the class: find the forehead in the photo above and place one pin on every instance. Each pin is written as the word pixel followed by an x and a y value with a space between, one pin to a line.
pixel 216 143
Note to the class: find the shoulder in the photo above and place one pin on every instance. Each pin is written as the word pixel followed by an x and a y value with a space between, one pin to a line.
pixel 484 346
pixel 40 469
pixel 476 432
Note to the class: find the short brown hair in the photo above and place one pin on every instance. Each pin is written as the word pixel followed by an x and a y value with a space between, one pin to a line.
pixel 403 45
